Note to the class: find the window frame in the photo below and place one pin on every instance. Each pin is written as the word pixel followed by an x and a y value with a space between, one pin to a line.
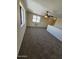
pixel 36 19
pixel 22 15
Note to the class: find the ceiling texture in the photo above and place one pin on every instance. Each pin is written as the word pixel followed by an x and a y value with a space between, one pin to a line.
pixel 41 6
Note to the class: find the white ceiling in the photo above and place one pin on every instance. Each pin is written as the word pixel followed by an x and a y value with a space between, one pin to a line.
pixel 41 6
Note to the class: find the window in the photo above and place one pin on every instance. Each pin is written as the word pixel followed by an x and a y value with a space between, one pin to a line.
pixel 36 19
pixel 22 16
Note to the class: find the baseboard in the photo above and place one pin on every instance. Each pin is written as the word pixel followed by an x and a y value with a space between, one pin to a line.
pixel 36 27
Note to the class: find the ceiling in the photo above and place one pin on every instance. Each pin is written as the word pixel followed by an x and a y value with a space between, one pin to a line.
pixel 41 6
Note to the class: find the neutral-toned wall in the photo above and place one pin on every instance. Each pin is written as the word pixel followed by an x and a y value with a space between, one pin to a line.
pixel 20 30
pixel 30 23
pixel 58 23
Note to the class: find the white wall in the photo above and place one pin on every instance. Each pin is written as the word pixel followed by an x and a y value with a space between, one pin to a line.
pixel 20 30
pixel 30 23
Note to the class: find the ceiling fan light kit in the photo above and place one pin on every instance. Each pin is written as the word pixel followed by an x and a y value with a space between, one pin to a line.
pixel 47 15
pixel 54 18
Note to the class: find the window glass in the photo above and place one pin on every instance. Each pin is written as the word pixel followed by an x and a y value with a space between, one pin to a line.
pixel 34 16
pixel 36 19
pixel 22 16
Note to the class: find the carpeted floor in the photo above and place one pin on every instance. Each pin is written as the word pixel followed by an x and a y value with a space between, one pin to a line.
pixel 39 44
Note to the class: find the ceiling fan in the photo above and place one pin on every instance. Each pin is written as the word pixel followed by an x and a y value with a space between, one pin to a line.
pixel 47 15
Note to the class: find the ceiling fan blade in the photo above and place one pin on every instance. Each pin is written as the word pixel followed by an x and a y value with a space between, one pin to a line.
pixel 51 16
pixel 47 15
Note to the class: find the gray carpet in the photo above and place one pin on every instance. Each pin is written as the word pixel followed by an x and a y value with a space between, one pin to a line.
pixel 39 44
